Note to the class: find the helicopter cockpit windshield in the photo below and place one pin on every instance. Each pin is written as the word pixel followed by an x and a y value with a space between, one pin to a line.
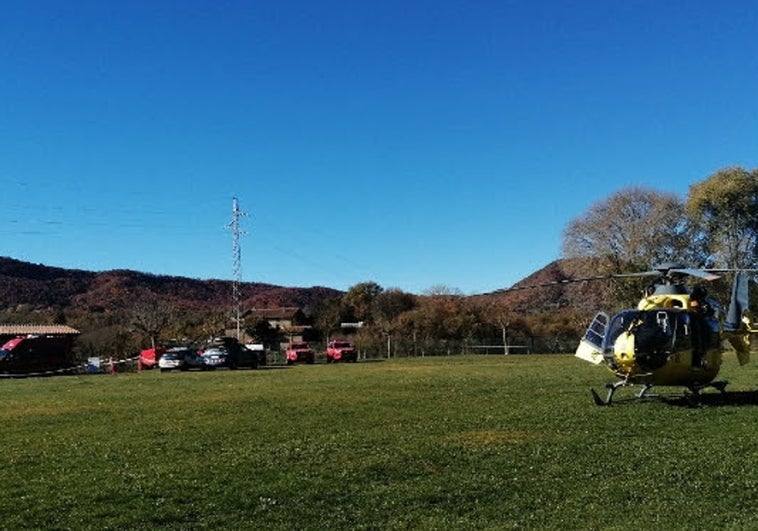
pixel 654 333
pixel 619 323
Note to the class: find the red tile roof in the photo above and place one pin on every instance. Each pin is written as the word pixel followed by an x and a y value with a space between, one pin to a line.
pixel 38 330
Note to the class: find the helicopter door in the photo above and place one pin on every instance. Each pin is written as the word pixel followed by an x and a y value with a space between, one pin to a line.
pixel 591 345
pixel 654 337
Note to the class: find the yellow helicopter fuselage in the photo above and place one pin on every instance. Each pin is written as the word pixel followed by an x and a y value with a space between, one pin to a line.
pixel 680 369
pixel 668 339
pixel 691 350
pixel 674 336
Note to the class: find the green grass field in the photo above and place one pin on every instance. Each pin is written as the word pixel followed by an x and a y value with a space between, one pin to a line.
pixel 432 443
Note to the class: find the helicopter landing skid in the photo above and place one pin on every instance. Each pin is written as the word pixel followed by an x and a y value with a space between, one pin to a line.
pixel 693 395
pixel 613 387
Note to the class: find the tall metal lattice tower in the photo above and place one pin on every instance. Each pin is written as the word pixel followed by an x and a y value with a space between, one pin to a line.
pixel 237 233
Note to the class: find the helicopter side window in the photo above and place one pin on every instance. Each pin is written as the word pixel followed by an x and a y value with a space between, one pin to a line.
pixel 618 324
pixel 658 322
pixel 596 330
pixel 684 333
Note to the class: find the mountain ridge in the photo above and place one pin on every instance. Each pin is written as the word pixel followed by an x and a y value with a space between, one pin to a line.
pixel 42 286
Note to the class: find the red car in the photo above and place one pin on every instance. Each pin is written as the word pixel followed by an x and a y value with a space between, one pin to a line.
pixel 149 357
pixel 340 350
pixel 299 351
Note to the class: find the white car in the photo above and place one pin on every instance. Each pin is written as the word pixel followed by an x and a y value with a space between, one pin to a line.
pixel 173 359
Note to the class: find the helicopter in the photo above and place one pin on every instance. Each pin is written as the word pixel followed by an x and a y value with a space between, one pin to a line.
pixel 673 337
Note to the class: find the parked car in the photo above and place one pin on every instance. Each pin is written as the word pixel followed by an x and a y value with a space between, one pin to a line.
pixel 173 358
pixel 260 350
pixel 299 351
pixel 194 360
pixel 242 357
pixel 237 355
pixel 149 357
pixel 340 350
pixel 214 358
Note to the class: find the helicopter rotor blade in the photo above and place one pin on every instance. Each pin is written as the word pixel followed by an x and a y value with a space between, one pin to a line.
pixel 664 271
pixel 637 275
pixel 561 282
pixel 730 270
pixel 697 273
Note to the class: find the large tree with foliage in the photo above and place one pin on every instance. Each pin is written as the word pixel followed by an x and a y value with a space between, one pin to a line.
pixel 388 306
pixel 725 206
pixel 443 317
pixel 359 299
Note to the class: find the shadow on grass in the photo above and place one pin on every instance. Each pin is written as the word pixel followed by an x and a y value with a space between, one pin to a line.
pixel 686 399
pixel 733 398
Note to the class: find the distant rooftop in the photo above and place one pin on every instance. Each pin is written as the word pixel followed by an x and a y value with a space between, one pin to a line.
pixel 287 312
pixel 38 330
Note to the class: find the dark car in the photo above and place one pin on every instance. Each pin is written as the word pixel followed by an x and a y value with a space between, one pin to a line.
pixel 194 360
pixel 260 351
pixel 242 357
pixel 214 357
pixel 237 355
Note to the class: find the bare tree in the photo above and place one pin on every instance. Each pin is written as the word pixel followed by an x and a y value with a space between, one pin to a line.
pixel 634 228
pixel 151 315
pixel 214 324
pixel 327 314
pixel 499 314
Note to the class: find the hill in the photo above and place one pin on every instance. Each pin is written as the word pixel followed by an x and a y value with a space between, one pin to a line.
pixel 38 286
pixel 41 287
pixel 114 310
pixel 555 291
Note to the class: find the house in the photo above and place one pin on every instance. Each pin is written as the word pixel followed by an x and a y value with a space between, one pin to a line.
pixel 282 318
pixel 36 348
pixel 289 322
pixel 8 332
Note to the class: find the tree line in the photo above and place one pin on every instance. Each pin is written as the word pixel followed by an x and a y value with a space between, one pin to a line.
pixel 636 228
pixel 714 226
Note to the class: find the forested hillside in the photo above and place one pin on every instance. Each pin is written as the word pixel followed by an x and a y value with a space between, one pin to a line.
pixel 38 287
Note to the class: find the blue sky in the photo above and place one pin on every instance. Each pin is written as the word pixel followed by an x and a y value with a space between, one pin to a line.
pixel 412 143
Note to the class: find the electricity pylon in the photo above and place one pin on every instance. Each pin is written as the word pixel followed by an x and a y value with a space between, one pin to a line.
pixel 234 226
